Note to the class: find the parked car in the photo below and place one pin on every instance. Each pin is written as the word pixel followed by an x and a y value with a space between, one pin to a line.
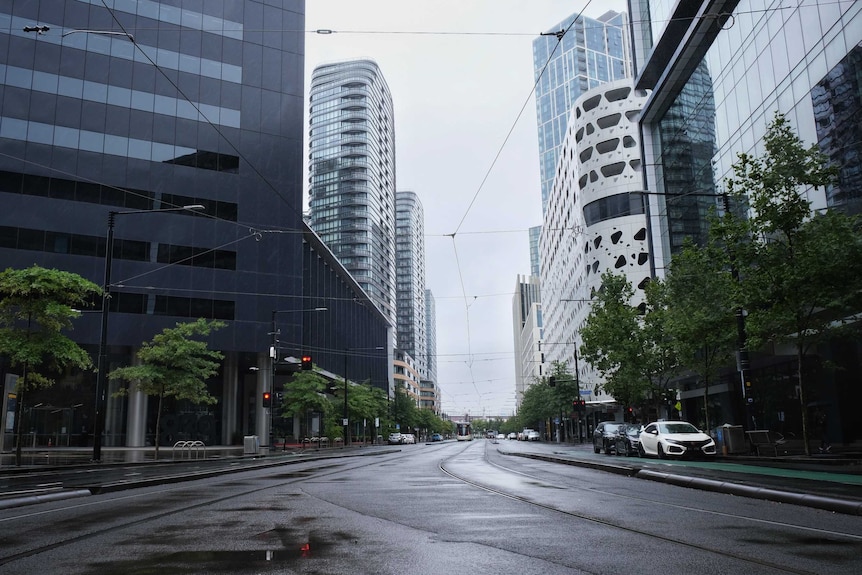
pixel 605 436
pixel 394 439
pixel 436 437
pixel 675 439
pixel 533 435
pixel 628 439
pixel 501 436
pixel 512 435
pixel 408 438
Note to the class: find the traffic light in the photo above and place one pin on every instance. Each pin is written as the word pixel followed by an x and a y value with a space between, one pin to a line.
pixel 267 399
pixel 552 381
pixel 306 362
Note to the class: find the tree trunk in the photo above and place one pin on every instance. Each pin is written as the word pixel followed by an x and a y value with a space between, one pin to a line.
pixel 158 423
pixel 19 410
pixel 706 403
pixel 802 402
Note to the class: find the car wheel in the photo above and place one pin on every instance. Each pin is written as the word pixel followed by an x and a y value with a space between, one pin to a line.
pixel 596 448
pixel 641 452
pixel 661 453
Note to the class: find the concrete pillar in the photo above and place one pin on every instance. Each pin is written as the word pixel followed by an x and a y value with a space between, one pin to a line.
pixel 261 415
pixel 229 395
pixel 136 416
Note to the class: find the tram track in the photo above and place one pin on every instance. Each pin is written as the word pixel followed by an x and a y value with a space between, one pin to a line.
pixel 620 526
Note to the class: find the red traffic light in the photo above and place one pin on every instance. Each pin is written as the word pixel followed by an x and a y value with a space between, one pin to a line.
pixel 306 362
pixel 267 399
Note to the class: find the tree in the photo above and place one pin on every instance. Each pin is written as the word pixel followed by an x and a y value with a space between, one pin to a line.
pixel 700 318
pixel 305 392
pixel 800 272
pixel 36 305
pixel 403 410
pixel 629 345
pixel 174 365
pixel 539 403
pixel 365 402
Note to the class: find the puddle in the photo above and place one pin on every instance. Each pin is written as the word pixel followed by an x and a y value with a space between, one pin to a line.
pixel 216 561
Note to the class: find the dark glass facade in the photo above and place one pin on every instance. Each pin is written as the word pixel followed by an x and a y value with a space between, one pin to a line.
pixel 185 102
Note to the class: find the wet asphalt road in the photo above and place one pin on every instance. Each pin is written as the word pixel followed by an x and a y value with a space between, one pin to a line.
pixel 443 508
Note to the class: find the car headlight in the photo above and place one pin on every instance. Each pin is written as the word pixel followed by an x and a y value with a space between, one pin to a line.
pixel 671 441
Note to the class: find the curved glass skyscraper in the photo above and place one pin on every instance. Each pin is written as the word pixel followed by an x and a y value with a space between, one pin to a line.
pixel 352 173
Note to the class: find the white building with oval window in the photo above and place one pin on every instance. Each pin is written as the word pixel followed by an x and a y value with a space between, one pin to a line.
pixel 595 220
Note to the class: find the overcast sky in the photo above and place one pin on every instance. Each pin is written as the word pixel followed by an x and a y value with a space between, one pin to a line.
pixel 459 72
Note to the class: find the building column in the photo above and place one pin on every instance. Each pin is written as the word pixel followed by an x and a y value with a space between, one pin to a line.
pixel 229 395
pixel 261 415
pixel 136 416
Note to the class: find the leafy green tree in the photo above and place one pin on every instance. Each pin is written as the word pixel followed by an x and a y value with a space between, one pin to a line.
pixel 365 402
pixel 801 273
pixel 305 392
pixel 700 312
pixel 36 305
pixel 628 345
pixel 539 403
pixel 174 365
pixel 403 410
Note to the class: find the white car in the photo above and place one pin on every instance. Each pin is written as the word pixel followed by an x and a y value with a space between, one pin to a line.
pixel 675 439
pixel 408 438
pixel 394 439
pixel 501 436
pixel 533 435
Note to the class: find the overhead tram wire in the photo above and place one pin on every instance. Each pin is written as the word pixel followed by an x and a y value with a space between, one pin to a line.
pixel 518 117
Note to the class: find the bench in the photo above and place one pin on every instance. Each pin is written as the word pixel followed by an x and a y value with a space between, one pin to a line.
pixel 763 439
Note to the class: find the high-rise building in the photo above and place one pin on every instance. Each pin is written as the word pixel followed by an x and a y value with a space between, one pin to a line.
pixel 352 173
pixel 570 58
pixel 204 108
pixel 410 271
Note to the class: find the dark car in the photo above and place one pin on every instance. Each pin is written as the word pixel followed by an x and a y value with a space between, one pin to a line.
pixel 605 436
pixel 628 439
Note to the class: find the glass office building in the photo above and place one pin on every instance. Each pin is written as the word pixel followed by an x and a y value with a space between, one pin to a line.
pixel 352 173
pixel 590 53
pixel 718 72
pixel 146 106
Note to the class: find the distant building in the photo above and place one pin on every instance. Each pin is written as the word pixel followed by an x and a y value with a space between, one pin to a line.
pixel 431 334
pixel 410 285
pixel 528 336
pixel 535 257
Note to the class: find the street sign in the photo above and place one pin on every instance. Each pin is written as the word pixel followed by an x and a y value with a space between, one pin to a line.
pixel 586 392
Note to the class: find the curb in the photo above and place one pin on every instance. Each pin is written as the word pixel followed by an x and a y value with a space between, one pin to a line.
pixel 805 499
pixel 43 498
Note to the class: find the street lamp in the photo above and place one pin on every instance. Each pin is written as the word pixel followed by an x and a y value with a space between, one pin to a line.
pixel 101 387
pixel 344 421
pixel 273 356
